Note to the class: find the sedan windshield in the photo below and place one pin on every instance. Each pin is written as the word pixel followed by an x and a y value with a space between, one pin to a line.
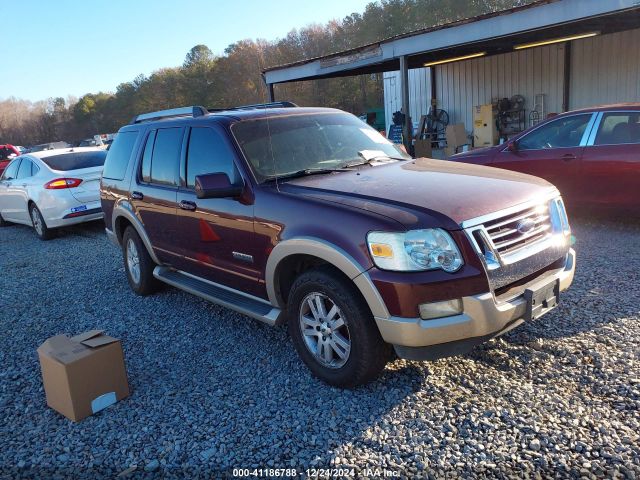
pixel 280 146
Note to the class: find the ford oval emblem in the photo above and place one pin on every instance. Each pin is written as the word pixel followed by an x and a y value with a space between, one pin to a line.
pixel 525 225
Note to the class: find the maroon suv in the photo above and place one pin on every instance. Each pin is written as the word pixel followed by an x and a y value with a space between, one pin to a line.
pixel 591 155
pixel 308 216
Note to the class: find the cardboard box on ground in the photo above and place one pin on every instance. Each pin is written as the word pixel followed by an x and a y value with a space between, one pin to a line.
pixel 83 374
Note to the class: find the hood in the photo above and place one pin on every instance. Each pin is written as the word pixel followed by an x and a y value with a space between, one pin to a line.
pixel 447 193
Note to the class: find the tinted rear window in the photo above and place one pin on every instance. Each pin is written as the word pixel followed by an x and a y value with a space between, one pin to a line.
pixel 166 156
pixel 117 160
pixel 75 160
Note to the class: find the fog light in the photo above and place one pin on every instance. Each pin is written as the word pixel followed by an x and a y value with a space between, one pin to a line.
pixel 440 309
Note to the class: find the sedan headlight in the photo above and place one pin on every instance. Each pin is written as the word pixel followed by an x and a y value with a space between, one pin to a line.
pixel 415 250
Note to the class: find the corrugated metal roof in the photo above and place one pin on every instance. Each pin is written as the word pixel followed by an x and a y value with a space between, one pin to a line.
pixel 369 46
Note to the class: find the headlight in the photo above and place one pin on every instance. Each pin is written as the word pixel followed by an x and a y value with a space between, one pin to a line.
pixel 414 250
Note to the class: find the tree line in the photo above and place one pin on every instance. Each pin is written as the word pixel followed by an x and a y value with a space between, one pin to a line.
pixel 234 78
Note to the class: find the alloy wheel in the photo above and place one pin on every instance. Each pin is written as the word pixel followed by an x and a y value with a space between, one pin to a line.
pixel 324 331
pixel 37 221
pixel 133 261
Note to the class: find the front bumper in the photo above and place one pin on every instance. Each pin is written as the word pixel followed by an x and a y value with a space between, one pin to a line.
pixel 483 317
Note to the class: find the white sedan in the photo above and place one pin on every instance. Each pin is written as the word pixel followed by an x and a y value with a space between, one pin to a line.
pixel 52 188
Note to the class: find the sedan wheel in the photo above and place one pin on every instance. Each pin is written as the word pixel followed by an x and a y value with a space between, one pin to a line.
pixel 325 333
pixel 39 225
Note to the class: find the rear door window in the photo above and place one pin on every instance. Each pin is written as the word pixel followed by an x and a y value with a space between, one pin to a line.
pixel 25 169
pixel 145 172
pixel 208 152
pixel 117 160
pixel 619 128
pixel 165 159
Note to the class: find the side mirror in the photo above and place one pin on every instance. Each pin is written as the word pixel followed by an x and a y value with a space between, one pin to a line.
pixel 513 146
pixel 217 185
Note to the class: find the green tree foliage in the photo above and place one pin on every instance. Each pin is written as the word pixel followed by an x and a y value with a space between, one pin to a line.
pixel 235 77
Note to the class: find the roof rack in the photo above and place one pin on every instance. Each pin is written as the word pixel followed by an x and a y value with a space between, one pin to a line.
pixel 257 106
pixel 194 112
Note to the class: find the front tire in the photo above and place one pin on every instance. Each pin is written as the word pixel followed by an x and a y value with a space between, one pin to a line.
pixel 138 264
pixel 333 330
pixel 39 225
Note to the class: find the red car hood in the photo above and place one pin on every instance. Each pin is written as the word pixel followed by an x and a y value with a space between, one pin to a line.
pixel 455 191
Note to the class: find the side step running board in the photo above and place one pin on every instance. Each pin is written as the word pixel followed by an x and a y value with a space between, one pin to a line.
pixel 248 305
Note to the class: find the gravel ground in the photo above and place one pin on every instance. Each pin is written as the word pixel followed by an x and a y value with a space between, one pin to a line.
pixel 212 389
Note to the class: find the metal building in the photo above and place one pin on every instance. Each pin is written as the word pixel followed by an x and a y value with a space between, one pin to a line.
pixel 573 52
pixel 603 69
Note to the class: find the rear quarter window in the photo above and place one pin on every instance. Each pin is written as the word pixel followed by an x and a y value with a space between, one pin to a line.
pixel 115 165
pixel 75 160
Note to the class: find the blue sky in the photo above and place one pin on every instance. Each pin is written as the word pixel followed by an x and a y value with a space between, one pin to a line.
pixel 64 47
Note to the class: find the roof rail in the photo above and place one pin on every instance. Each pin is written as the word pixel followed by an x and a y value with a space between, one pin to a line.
pixel 194 111
pixel 257 106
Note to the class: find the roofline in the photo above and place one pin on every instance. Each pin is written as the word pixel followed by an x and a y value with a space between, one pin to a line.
pixel 409 34
pixel 59 151
pixel 527 18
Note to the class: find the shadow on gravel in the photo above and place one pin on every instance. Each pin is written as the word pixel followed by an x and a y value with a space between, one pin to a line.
pixel 89 229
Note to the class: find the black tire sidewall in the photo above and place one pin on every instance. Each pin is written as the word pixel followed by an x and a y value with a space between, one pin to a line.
pixel 148 283
pixel 368 353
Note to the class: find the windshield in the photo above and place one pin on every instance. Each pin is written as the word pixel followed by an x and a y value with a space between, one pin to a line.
pixel 309 142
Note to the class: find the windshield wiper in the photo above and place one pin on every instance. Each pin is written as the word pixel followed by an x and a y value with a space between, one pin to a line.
pixel 370 160
pixel 308 171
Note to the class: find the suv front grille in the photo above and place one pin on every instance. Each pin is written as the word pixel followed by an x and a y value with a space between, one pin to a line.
pixel 520 241
pixel 518 230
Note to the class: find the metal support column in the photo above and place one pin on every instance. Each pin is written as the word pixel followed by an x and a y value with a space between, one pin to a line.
pixel 404 88
pixel 434 90
pixel 272 97
pixel 566 91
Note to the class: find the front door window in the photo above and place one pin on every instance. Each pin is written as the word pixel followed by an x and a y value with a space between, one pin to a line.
pixel 565 132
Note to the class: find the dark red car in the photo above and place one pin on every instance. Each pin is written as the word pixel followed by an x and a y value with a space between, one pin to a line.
pixel 592 155
pixel 7 153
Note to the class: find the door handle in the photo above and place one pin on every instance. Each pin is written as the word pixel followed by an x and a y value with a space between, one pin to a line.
pixel 186 205
pixel 137 195
pixel 568 157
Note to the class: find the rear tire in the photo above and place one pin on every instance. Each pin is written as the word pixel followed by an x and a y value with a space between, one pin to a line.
pixel 39 225
pixel 3 222
pixel 357 353
pixel 138 264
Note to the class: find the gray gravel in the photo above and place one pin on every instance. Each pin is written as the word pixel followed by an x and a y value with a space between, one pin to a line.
pixel 212 389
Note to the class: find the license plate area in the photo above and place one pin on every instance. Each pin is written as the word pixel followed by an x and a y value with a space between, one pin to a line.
pixel 541 299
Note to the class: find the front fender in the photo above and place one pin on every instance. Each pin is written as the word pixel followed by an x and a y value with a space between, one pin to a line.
pixel 332 254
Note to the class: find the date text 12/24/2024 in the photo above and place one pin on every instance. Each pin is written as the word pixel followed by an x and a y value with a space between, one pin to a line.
pixel 313 472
